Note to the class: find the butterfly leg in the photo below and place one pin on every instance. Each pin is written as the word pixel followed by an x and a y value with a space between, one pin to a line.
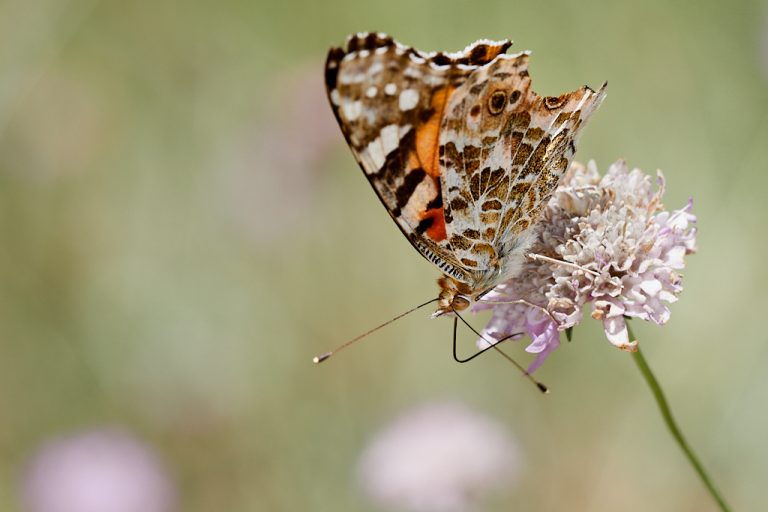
pixel 494 346
pixel 541 257
pixel 521 301
pixel 491 344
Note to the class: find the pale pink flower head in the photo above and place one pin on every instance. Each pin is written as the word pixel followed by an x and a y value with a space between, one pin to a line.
pixel 96 471
pixel 440 457
pixel 608 241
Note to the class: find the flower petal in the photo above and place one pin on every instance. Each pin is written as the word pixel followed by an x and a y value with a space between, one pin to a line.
pixel 617 333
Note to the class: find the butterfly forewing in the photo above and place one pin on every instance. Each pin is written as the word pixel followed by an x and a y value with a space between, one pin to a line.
pixel 390 102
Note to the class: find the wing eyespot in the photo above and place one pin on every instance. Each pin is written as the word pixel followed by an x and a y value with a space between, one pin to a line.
pixel 496 102
pixel 555 102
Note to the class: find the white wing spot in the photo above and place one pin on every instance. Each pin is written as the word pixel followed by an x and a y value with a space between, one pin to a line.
pixel 390 138
pixel 375 153
pixel 415 203
pixel 376 67
pixel 352 110
pixel 409 98
pixel 413 72
pixel 350 77
pixel 390 89
pixel 335 98
pixel 371 92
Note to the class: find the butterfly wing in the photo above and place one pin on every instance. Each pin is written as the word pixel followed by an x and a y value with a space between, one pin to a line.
pixel 504 149
pixel 390 101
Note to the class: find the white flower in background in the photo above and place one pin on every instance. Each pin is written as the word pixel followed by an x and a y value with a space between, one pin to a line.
pixel 96 471
pixel 606 241
pixel 440 457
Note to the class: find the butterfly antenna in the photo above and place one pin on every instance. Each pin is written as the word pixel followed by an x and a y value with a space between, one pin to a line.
pixel 494 345
pixel 323 357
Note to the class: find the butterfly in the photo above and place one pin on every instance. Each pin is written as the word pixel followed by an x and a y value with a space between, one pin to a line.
pixel 460 150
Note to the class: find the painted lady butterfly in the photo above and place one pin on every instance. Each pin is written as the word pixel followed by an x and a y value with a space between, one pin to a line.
pixel 461 151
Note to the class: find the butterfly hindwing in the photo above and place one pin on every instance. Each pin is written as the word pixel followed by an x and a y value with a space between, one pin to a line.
pixel 504 150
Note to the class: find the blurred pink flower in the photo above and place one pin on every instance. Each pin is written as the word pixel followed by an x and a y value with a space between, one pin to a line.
pixel 438 457
pixel 615 247
pixel 96 471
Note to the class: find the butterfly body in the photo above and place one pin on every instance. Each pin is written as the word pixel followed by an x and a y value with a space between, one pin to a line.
pixel 460 150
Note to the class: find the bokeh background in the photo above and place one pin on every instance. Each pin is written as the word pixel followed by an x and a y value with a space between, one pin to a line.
pixel 183 228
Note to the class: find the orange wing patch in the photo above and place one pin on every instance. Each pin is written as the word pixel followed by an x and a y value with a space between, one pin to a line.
pixel 428 134
pixel 426 156
pixel 435 219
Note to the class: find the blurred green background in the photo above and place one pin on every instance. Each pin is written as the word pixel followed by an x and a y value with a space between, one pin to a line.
pixel 183 228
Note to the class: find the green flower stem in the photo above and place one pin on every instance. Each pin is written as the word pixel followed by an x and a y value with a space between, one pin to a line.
pixel 666 413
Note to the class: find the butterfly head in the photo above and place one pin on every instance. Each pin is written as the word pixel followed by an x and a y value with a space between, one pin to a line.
pixel 456 296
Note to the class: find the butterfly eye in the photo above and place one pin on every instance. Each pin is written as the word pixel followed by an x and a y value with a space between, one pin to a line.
pixel 496 102
pixel 460 303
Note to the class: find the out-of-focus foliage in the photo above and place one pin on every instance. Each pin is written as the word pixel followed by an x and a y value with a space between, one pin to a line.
pixel 183 229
